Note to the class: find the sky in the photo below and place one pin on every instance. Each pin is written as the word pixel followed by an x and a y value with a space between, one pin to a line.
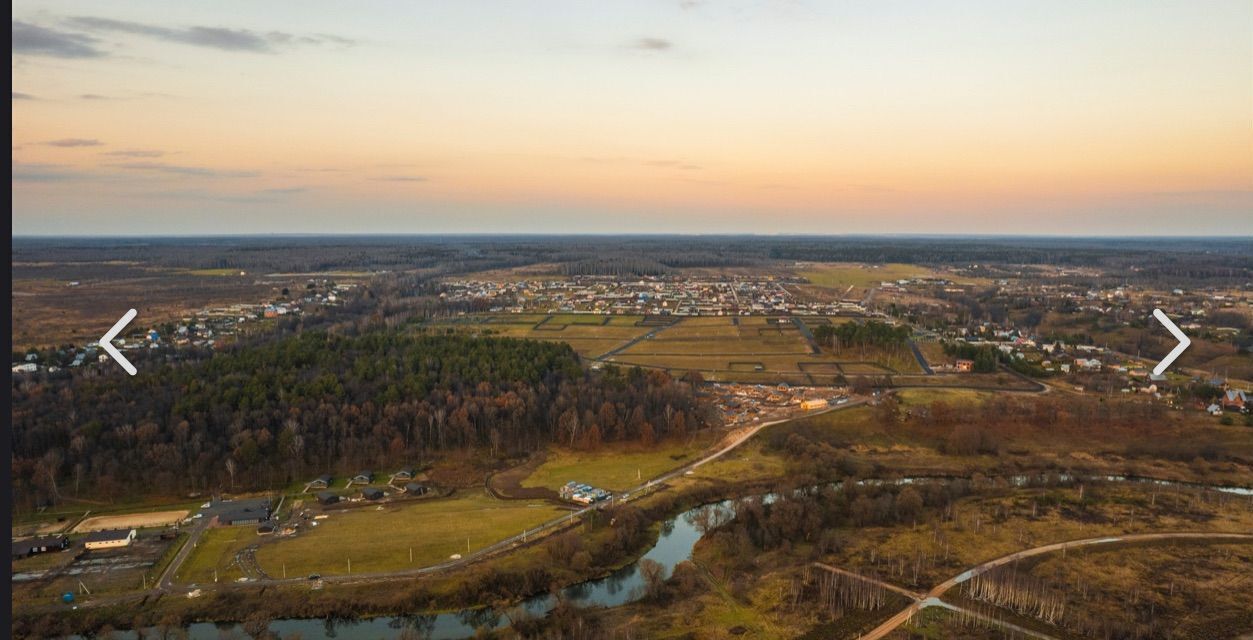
pixel 639 116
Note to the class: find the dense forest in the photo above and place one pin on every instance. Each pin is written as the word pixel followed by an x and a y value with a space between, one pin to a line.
pixel 266 415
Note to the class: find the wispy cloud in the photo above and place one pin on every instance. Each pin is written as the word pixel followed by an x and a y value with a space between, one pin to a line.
pixel 184 170
pixel 74 142
pixel 39 172
pixel 221 38
pixel 34 40
pixel 402 179
pixel 673 164
pixel 282 191
pixel 93 96
pixel 135 153
pixel 18 95
pixel 651 44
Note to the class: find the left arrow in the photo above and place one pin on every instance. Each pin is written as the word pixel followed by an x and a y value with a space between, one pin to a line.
pixel 106 342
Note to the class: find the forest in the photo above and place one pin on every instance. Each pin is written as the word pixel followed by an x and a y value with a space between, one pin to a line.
pixel 266 415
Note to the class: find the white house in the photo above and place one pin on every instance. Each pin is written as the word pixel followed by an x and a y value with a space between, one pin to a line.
pixel 109 539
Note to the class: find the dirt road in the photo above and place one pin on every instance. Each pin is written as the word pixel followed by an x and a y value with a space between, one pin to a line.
pixel 933 596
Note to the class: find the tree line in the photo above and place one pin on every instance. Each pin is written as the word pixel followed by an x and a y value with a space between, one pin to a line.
pixel 268 414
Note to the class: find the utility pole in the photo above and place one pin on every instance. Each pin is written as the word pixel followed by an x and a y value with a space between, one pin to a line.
pixel 349 565
pixel 410 555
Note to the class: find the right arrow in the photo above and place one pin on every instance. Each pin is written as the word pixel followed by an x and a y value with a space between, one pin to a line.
pixel 106 342
pixel 1184 342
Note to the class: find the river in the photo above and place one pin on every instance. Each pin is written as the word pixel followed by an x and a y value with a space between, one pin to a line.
pixel 675 544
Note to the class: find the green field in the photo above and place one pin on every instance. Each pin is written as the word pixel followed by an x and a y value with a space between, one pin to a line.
pixel 381 540
pixel 844 275
pixel 615 469
pixel 216 550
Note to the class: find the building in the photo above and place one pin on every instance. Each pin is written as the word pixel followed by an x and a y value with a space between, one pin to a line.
pixel 365 477
pixel 35 546
pixel 321 482
pixel 404 474
pixel 327 498
pixel 965 366
pixel 372 493
pixel 811 405
pixel 242 512
pixel 98 540
pixel 415 489
pixel 1234 400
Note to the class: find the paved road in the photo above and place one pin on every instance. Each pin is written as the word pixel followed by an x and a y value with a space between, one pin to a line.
pixel 922 361
pixel 628 344
pixel 933 596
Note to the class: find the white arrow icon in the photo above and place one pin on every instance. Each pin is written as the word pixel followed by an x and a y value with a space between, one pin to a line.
pixel 106 342
pixel 1184 342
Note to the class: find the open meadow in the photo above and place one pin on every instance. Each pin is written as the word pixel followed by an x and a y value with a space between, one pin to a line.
pixel 382 537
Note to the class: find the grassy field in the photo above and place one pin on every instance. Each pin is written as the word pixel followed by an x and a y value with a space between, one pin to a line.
pixel 615 468
pixel 216 550
pixel 589 335
pixel 381 540
pixel 862 276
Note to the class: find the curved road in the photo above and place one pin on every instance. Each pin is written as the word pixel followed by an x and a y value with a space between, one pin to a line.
pixel 166 583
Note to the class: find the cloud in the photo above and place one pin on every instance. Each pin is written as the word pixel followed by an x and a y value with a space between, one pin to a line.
pixel 38 172
pixel 135 153
pixel 652 44
pixel 184 170
pixel 402 179
pixel 221 38
pixel 34 40
pixel 93 96
pixel 74 142
pixel 673 164
pixel 282 191
pixel 18 95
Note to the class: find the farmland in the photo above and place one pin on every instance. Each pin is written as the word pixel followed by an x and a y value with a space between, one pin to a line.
pixel 381 537
pixel 616 469
pixel 756 349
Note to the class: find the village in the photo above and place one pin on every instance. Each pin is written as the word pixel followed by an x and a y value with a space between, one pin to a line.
pixel 646 295
pixel 203 329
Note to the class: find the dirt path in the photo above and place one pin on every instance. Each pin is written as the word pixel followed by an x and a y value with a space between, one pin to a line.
pixel 933 596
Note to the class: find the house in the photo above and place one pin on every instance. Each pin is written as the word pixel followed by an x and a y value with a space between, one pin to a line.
pixel 372 493
pixel 28 367
pixel 415 489
pixel 965 366
pixel 321 482
pixel 1214 410
pixel 242 512
pixel 327 498
pixel 365 477
pixel 35 546
pixel 1218 382
pixel 404 474
pixel 97 540
pixel 1234 400
pixel 265 529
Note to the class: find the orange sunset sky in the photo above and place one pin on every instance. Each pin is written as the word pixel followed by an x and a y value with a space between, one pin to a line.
pixel 1122 118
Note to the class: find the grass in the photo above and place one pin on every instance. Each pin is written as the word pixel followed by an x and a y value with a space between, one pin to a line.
pixel 614 468
pixel 216 550
pixel 377 540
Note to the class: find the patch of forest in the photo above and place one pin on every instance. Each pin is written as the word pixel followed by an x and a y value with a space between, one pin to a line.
pixel 266 415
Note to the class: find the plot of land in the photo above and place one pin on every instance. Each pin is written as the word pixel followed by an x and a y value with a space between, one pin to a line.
pixel 382 540
pixel 130 521
pixel 616 468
